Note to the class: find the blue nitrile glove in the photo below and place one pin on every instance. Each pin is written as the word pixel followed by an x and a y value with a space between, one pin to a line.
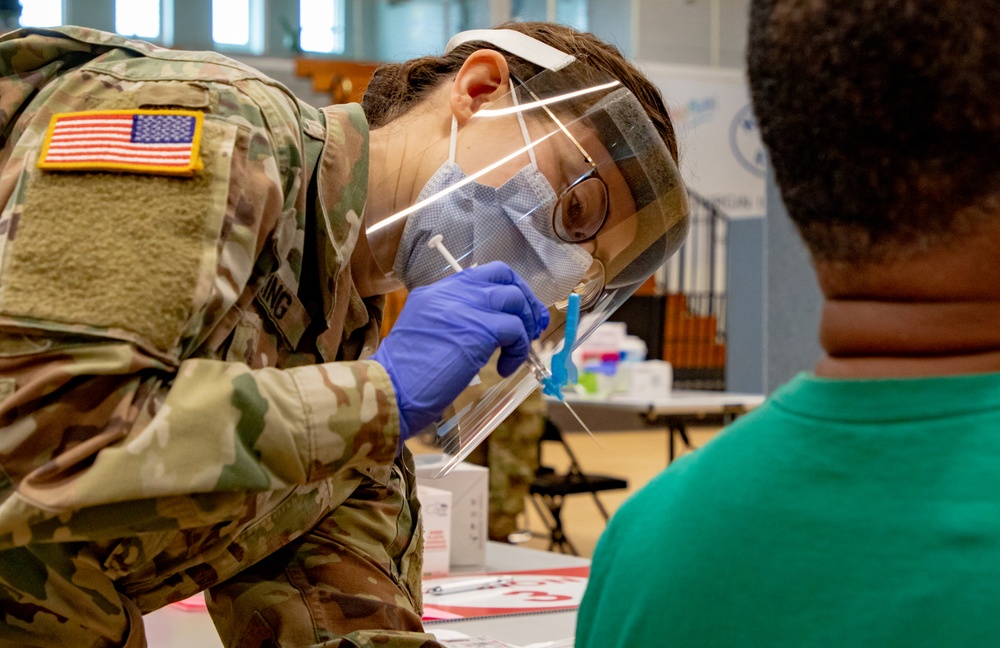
pixel 447 332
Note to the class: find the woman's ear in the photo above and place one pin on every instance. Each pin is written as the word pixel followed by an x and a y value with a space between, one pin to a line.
pixel 483 78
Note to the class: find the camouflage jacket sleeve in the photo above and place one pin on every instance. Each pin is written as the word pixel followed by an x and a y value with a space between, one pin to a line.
pixel 129 300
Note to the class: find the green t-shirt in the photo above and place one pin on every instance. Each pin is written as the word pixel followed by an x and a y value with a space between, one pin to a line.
pixel 839 513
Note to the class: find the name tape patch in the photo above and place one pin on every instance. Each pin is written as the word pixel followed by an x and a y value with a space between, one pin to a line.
pixel 139 141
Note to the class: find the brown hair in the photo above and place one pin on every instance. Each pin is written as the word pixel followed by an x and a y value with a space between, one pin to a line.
pixel 881 118
pixel 395 88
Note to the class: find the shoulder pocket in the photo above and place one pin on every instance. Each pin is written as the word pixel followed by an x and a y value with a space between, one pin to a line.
pixel 127 255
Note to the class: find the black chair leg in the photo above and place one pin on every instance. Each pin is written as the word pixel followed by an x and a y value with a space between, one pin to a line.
pixel 551 515
pixel 681 430
pixel 558 537
pixel 600 507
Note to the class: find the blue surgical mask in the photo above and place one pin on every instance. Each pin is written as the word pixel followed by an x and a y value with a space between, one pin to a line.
pixel 479 224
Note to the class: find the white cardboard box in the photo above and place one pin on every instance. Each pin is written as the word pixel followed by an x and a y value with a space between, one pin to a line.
pixel 650 379
pixel 469 485
pixel 435 503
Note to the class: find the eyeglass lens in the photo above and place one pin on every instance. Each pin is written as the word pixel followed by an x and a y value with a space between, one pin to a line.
pixel 581 209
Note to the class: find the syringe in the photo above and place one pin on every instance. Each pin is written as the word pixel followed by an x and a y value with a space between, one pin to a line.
pixel 543 376
pixel 538 368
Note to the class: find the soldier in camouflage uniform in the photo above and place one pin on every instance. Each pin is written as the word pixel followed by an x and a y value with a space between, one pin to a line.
pixel 187 396
pixel 150 449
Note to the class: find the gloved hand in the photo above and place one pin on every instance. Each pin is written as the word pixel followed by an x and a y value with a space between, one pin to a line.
pixel 448 330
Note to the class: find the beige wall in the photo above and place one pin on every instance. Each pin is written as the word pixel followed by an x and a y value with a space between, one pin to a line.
pixel 701 32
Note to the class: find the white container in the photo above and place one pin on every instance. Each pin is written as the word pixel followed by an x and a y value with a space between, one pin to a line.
pixel 651 379
pixel 469 485
pixel 633 349
pixel 435 506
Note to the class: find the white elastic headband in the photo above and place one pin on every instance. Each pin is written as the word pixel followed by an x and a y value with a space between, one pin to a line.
pixel 516 43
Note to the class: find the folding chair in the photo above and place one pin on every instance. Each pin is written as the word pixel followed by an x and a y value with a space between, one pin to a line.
pixel 549 490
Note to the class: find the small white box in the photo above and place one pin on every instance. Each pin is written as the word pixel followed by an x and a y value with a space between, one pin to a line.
pixel 469 485
pixel 435 505
pixel 650 379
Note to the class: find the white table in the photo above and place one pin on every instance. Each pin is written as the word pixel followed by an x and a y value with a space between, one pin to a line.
pixel 673 411
pixel 173 628
pixel 529 628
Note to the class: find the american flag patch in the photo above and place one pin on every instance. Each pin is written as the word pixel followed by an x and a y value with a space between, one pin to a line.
pixel 139 141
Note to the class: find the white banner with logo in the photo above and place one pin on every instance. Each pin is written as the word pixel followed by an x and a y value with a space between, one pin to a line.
pixel 722 157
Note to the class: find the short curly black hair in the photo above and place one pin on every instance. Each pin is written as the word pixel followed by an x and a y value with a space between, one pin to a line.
pixel 881 117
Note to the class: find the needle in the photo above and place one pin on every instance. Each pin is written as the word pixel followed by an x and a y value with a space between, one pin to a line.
pixel 580 421
pixel 543 376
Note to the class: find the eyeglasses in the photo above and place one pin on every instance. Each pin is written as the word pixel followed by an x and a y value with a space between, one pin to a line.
pixel 582 208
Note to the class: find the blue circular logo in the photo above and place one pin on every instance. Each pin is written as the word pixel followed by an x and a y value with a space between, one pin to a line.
pixel 744 140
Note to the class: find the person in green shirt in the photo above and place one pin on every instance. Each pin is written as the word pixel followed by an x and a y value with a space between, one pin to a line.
pixel 860 505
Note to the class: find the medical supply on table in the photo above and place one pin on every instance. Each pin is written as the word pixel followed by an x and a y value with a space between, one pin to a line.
pixel 612 362
pixel 469 486
pixel 436 510
pixel 651 379
pixel 470 585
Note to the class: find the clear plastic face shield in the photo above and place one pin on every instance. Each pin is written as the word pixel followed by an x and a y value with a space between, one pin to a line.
pixel 567 181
